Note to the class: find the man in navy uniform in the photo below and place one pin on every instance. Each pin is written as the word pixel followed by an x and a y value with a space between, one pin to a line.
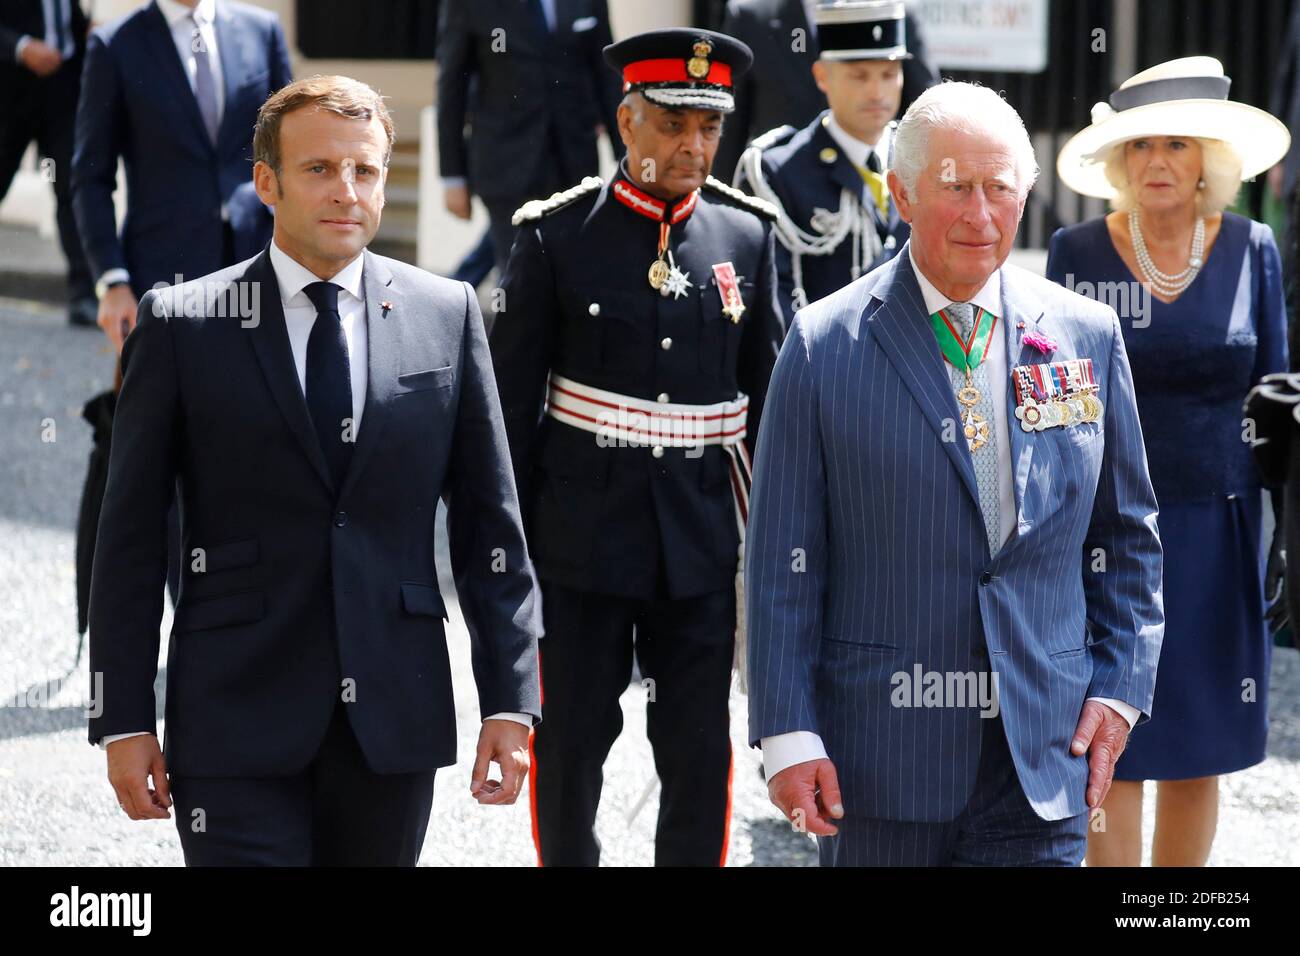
pixel 632 354
pixel 837 219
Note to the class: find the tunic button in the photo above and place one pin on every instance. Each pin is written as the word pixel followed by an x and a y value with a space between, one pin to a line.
pixel 666 344
pixel 663 397
pixel 657 451
pixel 593 309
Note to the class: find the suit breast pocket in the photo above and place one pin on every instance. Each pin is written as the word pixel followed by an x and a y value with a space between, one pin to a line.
pixel 426 379
pixel 719 331
pixel 1083 433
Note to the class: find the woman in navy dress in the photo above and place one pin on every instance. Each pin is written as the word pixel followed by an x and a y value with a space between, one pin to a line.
pixel 1199 296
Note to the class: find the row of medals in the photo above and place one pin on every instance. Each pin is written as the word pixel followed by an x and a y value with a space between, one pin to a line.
pixel 1072 409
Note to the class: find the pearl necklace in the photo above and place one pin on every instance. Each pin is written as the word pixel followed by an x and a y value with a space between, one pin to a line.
pixel 1170 286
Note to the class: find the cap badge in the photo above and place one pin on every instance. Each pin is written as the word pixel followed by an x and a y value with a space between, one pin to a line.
pixel 697 67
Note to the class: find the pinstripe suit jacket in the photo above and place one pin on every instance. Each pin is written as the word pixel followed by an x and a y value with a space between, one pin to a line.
pixel 866 552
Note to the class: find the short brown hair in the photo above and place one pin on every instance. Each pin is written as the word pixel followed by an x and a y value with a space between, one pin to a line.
pixel 337 94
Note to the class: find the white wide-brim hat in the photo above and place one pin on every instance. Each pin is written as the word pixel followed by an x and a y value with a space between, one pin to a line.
pixel 1183 97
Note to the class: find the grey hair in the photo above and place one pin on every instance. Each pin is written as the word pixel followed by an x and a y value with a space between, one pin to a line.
pixel 967 107
pixel 1220 168
pixel 636 103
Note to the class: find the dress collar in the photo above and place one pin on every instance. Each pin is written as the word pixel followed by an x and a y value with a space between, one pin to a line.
pixel 641 202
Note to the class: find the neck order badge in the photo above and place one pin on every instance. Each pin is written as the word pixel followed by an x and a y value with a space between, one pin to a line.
pixel 664 277
pixel 966 355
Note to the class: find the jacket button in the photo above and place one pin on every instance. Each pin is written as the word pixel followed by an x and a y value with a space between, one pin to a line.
pixel 593 309
pixel 657 451
pixel 986 578
pixel 340 519
pixel 663 397
pixel 666 344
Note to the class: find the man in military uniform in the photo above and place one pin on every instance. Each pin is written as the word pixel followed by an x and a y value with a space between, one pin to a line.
pixel 639 328
pixel 837 220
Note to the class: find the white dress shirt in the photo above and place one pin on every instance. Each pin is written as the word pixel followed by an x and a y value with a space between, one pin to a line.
pixel 799 746
pixel 299 316
pixel 178 19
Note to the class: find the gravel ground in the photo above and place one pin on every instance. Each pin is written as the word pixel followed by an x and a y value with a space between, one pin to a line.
pixel 56 807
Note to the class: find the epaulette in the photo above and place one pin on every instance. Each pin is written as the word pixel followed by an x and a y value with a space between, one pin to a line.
pixel 774 137
pixel 755 205
pixel 535 209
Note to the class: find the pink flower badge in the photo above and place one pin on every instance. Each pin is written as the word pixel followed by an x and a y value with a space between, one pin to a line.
pixel 1040 342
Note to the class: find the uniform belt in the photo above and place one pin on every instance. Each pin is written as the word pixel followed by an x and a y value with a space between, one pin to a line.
pixel 626 421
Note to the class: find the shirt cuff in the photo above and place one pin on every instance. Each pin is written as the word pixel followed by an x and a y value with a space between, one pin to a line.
pixel 105 741
pixel 786 750
pixel 524 719
pixel 109 277
pixel 1127 711
pixel 19 47
pixel 451 182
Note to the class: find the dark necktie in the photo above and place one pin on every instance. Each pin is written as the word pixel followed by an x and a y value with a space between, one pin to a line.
pixel 60 28
pixel 205 86
pixel 539 17
pixel 329 380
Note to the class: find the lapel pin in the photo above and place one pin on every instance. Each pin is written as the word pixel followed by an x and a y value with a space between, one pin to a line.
pixel 386 306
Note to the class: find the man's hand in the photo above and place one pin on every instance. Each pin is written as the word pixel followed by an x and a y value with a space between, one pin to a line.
pixel 505 743
pixel 131 762
pixel 41 58
pixel 117 314
pixel 1102 734
pixel 808 794
pixel 458 204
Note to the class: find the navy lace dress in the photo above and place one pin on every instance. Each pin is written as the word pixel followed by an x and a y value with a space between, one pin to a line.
pixel 1193 362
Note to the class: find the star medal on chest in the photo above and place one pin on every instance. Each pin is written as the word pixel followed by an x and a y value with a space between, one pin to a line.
pixel 729 289
pixel 965 355
pixel 664 275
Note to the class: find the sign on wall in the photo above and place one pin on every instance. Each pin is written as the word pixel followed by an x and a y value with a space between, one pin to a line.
pixel 991 35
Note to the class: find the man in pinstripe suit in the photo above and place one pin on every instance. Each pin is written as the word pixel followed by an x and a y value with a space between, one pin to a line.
pixel 951 493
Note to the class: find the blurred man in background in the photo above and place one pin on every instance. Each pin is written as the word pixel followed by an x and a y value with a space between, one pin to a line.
pixel 198 71
pixel 541 93
pixel 837 220
pixel 784 37
pixel 42 47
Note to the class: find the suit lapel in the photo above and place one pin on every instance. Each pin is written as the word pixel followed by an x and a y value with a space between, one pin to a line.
pixel 234 54
pixel 163 47
pixel 1023 315
pixel 270 338
pixel 383 359
pixel 902 327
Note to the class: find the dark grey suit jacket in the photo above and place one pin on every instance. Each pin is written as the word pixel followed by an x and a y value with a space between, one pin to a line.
pixel 305 586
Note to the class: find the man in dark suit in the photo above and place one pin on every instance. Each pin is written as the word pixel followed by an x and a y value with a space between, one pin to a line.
pixel 783 36
pixel 542 91
pixel 173 89
pixel 42 46
pixel 311 404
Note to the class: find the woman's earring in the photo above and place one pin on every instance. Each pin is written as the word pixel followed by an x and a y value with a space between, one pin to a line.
pixel 1200 184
